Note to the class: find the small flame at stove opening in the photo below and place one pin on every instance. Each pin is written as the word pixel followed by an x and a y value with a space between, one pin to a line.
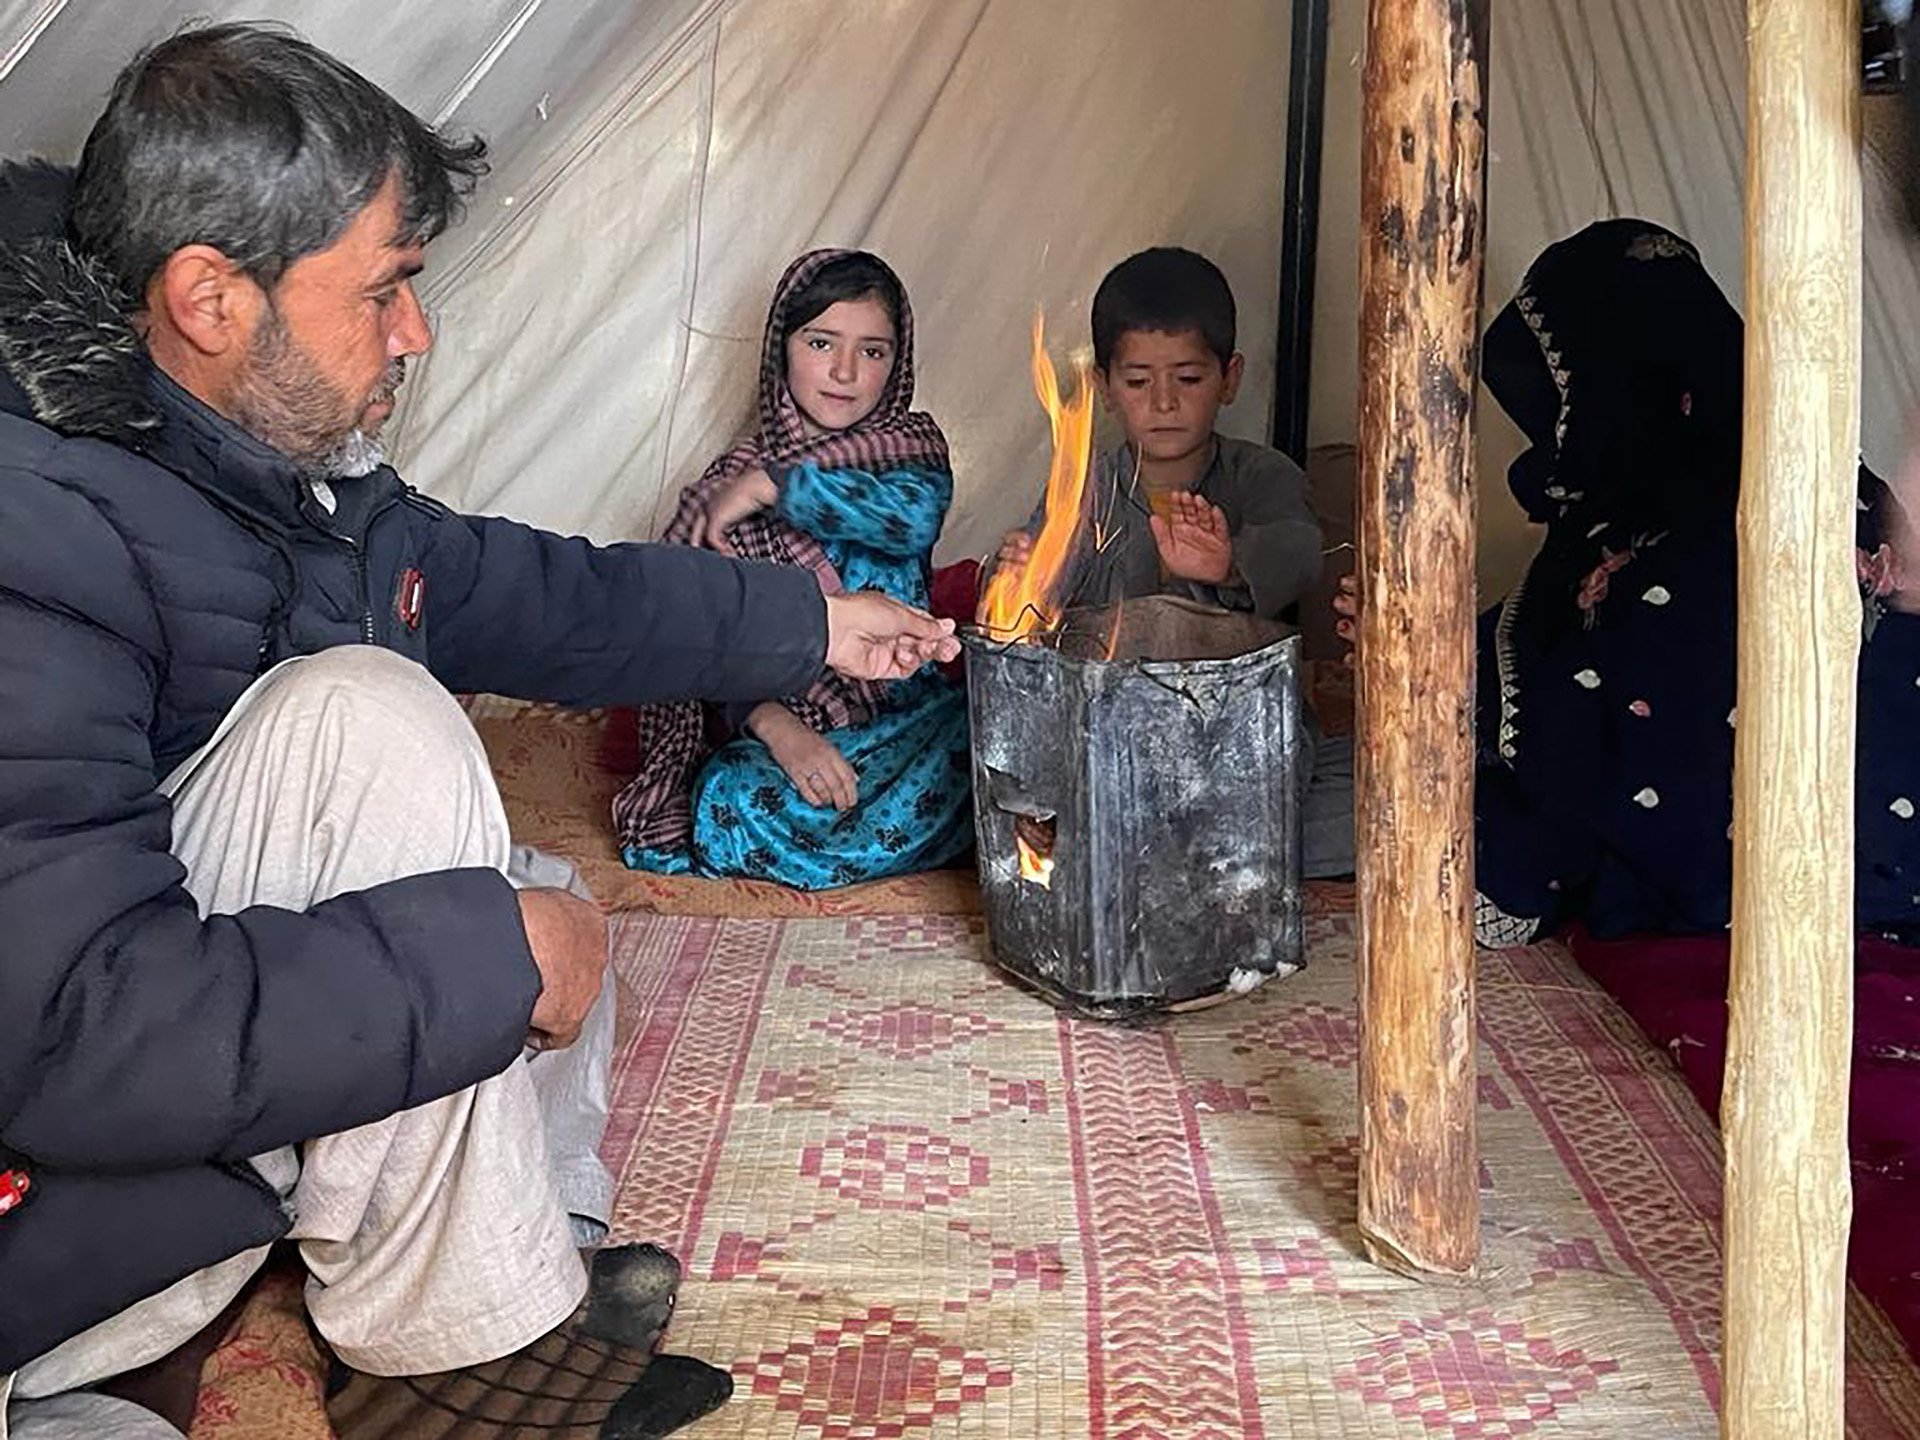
pixel 1033 838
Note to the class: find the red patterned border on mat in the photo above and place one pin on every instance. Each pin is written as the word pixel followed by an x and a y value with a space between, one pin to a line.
pixel 1167 1335
pixel 638 987
pixel 700 1028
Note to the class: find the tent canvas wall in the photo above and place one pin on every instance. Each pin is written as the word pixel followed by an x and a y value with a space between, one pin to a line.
pixel 658 161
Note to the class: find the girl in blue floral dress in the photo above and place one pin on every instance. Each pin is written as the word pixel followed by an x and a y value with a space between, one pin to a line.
pixel 852 781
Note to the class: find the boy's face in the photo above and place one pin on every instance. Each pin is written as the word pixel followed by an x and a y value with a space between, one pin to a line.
pixel 1167 389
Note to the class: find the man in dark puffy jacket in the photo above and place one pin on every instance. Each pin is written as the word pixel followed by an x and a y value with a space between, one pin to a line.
pixel 253 888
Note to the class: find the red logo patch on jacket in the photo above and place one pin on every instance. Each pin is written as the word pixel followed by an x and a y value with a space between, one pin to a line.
pixel 14 1185
pixel 410 598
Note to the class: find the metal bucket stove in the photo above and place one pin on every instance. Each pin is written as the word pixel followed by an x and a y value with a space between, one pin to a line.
pixel 1139 818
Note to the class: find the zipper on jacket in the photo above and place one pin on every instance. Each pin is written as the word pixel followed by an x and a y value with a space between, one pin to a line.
pixel 359 553
pixel 360 562
pixel 359 582
pixel 366 600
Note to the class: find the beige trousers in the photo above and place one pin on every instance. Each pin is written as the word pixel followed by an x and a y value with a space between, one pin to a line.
pixel 436 1238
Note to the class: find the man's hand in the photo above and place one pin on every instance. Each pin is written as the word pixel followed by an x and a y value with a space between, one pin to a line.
pixel 568 937
pixel 818 771
pixel 1015 550
pixel 871 636
pixel 1346 604
pixel 1193 540
pixel 746 494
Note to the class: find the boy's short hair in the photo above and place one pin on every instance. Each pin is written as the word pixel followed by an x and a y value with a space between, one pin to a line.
pixel 1167 289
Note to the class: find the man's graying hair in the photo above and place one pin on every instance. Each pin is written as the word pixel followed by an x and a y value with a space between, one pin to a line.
pixel 251 140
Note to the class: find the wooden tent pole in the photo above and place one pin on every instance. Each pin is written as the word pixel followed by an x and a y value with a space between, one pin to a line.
pixel 1784 1109
pixel 1423 172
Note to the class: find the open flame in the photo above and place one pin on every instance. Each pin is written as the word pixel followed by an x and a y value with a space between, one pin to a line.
pixel 1033 865
pixel 1019 602
pixel 1033 842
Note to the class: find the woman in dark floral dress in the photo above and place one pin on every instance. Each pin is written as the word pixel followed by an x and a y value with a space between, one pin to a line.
pixel 1606 679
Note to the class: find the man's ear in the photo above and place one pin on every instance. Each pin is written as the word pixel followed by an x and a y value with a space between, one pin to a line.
pixel 205 300
pixel 1105 387
pixel 1236 367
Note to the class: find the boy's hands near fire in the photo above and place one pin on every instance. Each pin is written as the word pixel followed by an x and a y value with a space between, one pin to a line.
pixel 1346 604
pixel 1193 540
pixel 871 636
pixel 818 771
pixel 746 494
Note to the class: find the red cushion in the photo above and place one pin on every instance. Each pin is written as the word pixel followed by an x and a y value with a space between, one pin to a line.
pixel 955 593
pixel 620 742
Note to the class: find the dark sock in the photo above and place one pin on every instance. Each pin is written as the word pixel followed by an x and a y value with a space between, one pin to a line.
pixel 630 1294
pixel 675 1391
pixel 595 1378
pixel 564 1386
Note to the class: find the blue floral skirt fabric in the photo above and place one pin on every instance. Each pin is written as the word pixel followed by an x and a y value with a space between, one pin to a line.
pixel 914 812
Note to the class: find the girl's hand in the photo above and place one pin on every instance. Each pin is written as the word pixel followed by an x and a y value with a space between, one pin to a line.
pixel 746 494
pixel 1346 604
pixel 1193 540
pixel 1015 550
pixel 818 771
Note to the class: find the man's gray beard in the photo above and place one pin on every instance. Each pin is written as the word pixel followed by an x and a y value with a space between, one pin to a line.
pixel 359 454
pixel 285 402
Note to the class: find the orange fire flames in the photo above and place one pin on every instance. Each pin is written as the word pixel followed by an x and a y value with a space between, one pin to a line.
pixel 1019 602
pixel 1033 842
pixel 1033 865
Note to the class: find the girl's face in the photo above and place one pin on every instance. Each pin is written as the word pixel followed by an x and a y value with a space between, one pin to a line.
pixel 838 363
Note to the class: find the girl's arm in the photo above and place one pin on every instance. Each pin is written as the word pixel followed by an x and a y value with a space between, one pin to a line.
pixel 897 512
